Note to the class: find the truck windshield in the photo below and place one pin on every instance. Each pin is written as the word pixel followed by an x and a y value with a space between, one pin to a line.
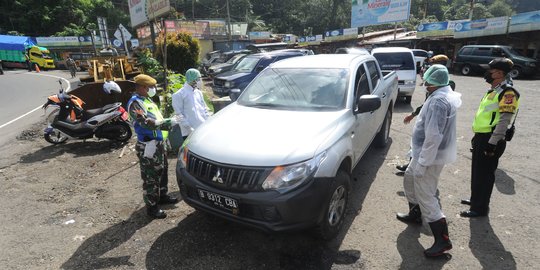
pixel 395 61
pixel 247 64
pixel 298 89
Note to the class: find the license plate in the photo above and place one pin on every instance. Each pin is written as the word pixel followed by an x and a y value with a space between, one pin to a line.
pixel 219 201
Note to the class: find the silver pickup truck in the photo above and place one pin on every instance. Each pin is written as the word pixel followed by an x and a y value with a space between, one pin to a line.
pixel 281 156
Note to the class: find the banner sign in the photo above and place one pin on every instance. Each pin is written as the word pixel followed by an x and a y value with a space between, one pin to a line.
pixel 289 39
pixel 528 21
pixel 259 35
pixel 70 41
pixel 341 34
pixel 437 28
pixel 482 27
pixel 310 40
pixel 141 11
pixel 371 12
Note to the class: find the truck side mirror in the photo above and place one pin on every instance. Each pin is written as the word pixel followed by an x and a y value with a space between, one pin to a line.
pixel 367 103
pixel 234 94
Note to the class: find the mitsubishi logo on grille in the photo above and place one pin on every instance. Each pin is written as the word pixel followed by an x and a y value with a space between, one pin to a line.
pixel 217 177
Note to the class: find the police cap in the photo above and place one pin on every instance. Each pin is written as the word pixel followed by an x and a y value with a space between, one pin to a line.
pixel 503 64
pixel 145 80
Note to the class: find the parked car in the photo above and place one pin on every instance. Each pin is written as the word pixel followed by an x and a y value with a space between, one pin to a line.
pixel 216 69
pixel 474 58
pixel 281 157
pixel 246 69
pixel 401 60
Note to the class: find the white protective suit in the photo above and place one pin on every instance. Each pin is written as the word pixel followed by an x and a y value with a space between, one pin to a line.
pixel 433 145
pixel 188 103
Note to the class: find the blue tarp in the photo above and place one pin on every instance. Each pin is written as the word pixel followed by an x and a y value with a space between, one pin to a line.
pixel 18 43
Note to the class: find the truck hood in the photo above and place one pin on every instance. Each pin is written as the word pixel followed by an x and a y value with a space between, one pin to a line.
pixel 248 136
pixel 232 75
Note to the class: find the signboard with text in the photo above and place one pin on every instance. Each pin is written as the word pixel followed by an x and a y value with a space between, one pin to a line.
pixel 483 27
pixel 372 12
pixel 341 34
pixel 528 21
pixel 435 29
pixel 141 11
pixel 70 41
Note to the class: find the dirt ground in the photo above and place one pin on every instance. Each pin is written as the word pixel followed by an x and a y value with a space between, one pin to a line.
pixel 79 206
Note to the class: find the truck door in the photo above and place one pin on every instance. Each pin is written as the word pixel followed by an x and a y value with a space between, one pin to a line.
pixel 363 127
pixel 378 89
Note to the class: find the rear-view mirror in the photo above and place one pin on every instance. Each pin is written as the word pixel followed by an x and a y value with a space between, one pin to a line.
pixel 367 103
pixel 234 94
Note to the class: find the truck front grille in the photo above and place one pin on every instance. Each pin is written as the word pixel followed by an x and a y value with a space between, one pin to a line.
pixel 226 177
pixel 219 83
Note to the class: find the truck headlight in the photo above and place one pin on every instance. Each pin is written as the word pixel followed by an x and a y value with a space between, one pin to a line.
pixel 228 84
pixel 531 64
pixel 182 156
pixel 284 178
pixel 218 70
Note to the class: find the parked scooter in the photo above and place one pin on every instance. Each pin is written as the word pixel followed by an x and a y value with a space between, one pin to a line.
pixel 66 118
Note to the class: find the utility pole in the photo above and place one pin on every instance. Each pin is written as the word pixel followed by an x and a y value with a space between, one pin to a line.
pixel 471 10
pixel 193 10
pixel 228 20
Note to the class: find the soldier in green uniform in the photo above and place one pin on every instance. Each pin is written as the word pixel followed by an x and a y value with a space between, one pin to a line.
pixel 150 127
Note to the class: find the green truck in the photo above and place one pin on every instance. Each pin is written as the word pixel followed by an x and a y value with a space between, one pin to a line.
pixel 13 48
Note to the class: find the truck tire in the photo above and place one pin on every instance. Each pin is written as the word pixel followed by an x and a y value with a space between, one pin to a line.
pixel 382 138
pixel 335 209
pixel 466 70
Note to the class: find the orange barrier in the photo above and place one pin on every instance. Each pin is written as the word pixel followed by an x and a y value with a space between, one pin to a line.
pixel 37 68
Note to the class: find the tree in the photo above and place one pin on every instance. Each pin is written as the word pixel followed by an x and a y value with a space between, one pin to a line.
pixel 182 51
pixel 500 8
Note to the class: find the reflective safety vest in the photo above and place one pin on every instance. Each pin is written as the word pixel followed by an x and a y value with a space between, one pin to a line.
pixel 489 114
pixel 152 112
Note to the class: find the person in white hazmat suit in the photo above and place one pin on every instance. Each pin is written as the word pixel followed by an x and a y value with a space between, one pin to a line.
pixel 188 103
pixel 433 146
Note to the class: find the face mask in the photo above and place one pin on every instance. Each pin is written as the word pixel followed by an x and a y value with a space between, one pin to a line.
pixel 487 77
pixel 151 91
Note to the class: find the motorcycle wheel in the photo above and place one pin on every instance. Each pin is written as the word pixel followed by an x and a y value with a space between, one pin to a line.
pixel 55 137
pixel 124 132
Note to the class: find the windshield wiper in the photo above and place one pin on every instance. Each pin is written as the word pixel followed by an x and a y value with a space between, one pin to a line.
pixel 265 104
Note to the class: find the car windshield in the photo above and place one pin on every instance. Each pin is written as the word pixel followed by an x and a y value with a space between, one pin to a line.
pixel 246 64
pixel 395 60
pixel 297 90
pixel 235 58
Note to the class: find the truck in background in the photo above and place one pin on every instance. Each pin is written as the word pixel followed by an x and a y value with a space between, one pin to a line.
pixel 13 48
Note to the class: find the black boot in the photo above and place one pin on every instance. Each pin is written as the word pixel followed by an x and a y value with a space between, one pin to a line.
pixel 414 216
pixel 155 212
pixel 167 200
pixel 442 241
pixel 402 167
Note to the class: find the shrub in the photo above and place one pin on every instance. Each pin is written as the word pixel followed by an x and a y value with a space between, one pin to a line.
pixel 149 64
pixel 182 51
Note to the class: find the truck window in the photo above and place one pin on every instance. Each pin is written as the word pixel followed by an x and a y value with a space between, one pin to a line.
pixel 38 55
pixel 361 82
pixel 395 60
pixel 373 74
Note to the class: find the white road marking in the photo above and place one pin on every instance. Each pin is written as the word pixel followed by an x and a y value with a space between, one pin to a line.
pixel 67 90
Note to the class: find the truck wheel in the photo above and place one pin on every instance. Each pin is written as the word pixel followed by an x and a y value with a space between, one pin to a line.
pixel 466 70
pixel 382 138
pixel 408 99
pixel 515 72
pixel 334 212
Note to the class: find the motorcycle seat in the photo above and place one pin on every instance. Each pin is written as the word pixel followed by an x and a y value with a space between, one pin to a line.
pixel 87 114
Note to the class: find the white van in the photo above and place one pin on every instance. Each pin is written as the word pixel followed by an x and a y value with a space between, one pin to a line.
pixel 401 60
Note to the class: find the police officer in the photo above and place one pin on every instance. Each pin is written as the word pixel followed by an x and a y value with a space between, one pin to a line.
pixel 433 146
pixel 494 115
pixel 150 127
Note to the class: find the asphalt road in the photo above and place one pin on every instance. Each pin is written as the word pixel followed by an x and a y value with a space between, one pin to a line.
pixel 22 94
